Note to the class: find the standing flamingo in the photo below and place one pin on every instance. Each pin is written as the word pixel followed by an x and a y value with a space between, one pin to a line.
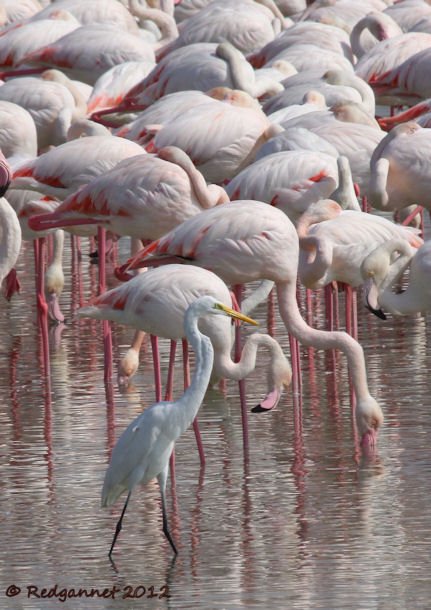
pixel 245 241
pixel 199 66
pixel 18 135
pixel 384 267
pixel 247 25
pixel 156 302
pixel 17 42
pixel 50 104
pixel 288 180
pixel 10 238
pixel 400 174
pixel 60 171
pixel 87 52
pixel 143 197
pixel 335 248
pixel 108 12
pixel 143 450
pixel 325 36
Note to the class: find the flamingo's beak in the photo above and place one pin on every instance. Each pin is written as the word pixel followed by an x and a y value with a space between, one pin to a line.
pixel 371 300
pixel 369 440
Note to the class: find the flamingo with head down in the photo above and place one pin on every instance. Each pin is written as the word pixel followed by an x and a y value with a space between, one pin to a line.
pixel 400 174
pixel 156 302
pixel 385 266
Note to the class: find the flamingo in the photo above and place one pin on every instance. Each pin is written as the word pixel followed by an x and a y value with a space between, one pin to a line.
pixel 245 241
pixel 335 248
pixel 112 86
pixel 18 41
pixel 369 30
pixel 10 238
pixel 156 302
pixel 335 86
pixel 248 25
pixel 199 66
pixel 399 168
pixel 166 26
pixel 10 230
pixel 385 266
pixel 142 197
pixel 218 137
pixel 321 34
pixel 50 104
pixel 288 180
pixel 408 13
pixel 407 81
pixel 167 108
pixel 108 12
pixel 355 141
pixel 27 204
pixel 18 10
pixel 87 52
pixel 296 138
pixel 60 171
pixel 54 279
pixel 142 452
pixel 18 135
pixel 388 55
pixel 342 13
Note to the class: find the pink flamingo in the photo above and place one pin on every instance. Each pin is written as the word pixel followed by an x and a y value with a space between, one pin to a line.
pixel 51 104
pixel 168 108
pixel 87 52
pixel 248 26
pixel 388 55
pixel 245 241
pixel 399 168
pixel 144 197
pixel 334 85
pixel 112 86
pixel 10 238
pixel 384 267
pixel 288 180
pixel 18 135
pixel 408 13
pixel 369 30
pixel 218 137
pixel 60 171
pixel 156 302
pixel 200 66
pixel 18 10
pixel 104 12
pixel 17 41
pixel 408 81
pixel 325 36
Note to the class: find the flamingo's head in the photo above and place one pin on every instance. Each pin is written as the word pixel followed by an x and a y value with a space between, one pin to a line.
pixel 369 418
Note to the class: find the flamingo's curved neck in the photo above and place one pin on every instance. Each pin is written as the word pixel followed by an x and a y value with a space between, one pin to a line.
pixel 319 339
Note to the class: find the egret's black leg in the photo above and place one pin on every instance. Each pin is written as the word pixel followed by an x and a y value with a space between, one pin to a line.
pixel 119 524
pixel 165 524
pixel 162 478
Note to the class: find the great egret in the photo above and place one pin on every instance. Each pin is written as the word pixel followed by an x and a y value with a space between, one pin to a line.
pixel 142 452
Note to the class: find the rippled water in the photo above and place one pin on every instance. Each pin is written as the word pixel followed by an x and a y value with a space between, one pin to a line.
pixel 304 522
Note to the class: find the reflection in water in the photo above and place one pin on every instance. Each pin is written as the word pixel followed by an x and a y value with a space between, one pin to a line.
pixel 304 521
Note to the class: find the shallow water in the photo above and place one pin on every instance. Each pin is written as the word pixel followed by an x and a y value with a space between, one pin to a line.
pixel 303 522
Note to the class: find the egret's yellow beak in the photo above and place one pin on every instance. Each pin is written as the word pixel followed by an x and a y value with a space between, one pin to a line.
pixel 235 314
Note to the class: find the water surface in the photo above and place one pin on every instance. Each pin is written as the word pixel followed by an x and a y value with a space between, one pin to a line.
pixel 305 521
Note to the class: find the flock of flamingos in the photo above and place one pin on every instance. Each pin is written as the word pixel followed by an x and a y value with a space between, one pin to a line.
pixel 231 142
